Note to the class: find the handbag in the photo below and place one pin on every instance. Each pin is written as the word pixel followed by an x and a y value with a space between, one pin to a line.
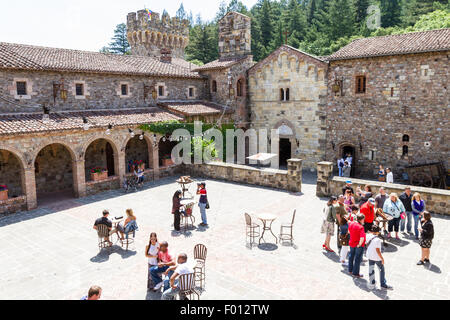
pixel 402 216
pixel 207 204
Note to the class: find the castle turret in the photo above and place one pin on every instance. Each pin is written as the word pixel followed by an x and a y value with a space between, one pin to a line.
pixel 234 36
pixel 151 36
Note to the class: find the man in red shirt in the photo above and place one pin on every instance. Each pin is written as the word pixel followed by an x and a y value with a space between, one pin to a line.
pixel 356 243
pixel 368 210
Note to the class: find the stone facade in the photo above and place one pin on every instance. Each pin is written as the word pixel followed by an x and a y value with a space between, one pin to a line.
pixel 406 95
pixel 234 36
pixel 102 91
pixel 298 115
pixel 11 173
pixel 148 36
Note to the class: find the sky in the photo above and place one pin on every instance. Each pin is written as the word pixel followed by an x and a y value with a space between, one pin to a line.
pixel 83 24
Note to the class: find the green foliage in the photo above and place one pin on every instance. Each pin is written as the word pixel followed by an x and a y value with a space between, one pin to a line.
pixel 119 43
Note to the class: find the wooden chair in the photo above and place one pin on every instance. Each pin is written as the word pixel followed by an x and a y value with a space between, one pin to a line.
pixel 252 230
pixel 200 252
pixel 287 235
pixel 186 285
pixel 103 232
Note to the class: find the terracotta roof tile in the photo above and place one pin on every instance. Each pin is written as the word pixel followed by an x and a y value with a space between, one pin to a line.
pixel 415 42
pixel 217 64
pixel 32 122
pixel 18 56
pixel 194 108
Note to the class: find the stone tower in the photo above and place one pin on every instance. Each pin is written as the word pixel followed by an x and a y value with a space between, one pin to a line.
pixel 149 36
pixel 234 36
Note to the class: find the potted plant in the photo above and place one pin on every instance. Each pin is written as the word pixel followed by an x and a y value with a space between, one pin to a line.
pixel 98 174
pixel 3 192
pixel 167 161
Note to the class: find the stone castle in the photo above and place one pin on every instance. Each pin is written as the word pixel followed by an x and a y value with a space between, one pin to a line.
pixel 378 100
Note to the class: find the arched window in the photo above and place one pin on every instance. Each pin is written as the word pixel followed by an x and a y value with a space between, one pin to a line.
pixel 405 138
pixel 287 94
pixel 281 94
pixel 240 88
pixel 214 86
pixel 405 150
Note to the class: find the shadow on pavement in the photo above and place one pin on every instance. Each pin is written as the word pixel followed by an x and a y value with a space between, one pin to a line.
pixel 104 254
pixel 268 247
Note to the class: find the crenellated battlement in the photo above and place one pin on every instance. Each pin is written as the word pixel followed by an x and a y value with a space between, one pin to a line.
pixel 149 36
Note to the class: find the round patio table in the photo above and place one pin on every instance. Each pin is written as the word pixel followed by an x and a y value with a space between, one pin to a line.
pixel 267 220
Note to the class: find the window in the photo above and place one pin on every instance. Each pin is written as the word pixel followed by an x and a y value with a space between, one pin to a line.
pixel 124 89
pixel 191 92
pixel 392 92
pixel 405 138
pixel 21 88
pixel 287 94
pixel 214 86
pixel 240 88
pixel 161 91
pixel 282 94
pixel 405 150
pixel 79 89
pixel 361 84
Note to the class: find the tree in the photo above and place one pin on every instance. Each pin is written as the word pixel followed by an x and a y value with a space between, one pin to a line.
pixel 266 24
pixel 390 13
pixel 361 7
pixel 119 43
pixel 181 13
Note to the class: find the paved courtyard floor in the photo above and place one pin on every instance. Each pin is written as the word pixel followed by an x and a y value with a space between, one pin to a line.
pixel 52 253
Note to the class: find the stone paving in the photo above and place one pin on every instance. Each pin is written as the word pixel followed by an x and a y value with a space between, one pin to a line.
pixel 52 253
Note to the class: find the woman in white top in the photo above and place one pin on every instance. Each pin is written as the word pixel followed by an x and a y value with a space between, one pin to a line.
pixel 389 176
pixel 151 252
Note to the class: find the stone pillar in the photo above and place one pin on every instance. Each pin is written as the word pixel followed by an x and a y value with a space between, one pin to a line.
pixel 119 164
pixel 295 175
pixel 324 177
pixel 155 156
pixel 79 178
pixel 30 188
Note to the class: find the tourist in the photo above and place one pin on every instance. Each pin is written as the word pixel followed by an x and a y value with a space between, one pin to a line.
pixel 105 221
pixel 368 210
pixel 128 226
pixel 348 186
pixel 344 237
pixel 375 258
pixel 389 176
pixel 356 243
pixel 353 215
pixel 393 207
pixel 364 195
pixel 95 293
pixel 406 199
pixel 165 261
pixel 426 237
pixel 349 201
pixel 203 202
pixel 418 208
pixel 329 220
pixel 379 202
pixel 139 173
pixel 176 208
pixel 171 285
pixel 151 252
pixel 340 164
pixel 340 214
pixel 381 174
pixel 346 170
pixel 349 159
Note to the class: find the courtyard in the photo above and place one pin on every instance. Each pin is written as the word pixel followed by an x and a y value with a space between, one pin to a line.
pixel 52 253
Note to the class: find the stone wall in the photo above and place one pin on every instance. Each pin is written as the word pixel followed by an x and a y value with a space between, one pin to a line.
pixel 101 91
pixel 437 200
pixel 13 205
pixel 405 95
pixel 11 173
pixel 234 36
pixel 286 180
pixel 303 113
pixel 94 187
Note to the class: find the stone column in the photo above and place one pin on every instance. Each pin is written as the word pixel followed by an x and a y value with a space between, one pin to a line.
pixel 295 175
pixel 79 178
pixel 30 188
pixel 119 164
pixel 324 177
pixel 155 156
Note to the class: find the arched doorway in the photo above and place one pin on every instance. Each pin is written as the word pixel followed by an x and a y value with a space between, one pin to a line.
pixel 285 152
pixel 11 173
pixel 137 151
pixel 100 154
pixel 287 142
pixel 53 169
pixel 346 151
pixel 165 147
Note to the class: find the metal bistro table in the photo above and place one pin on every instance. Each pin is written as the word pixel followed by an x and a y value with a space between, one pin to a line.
pixel 267 220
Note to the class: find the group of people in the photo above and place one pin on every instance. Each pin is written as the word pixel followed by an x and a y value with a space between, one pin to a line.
pixel 345 165
pixel 385 175
pixel 359 226
pixel 123 228
pixel 178 209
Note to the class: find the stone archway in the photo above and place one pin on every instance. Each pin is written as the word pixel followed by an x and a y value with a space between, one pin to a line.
pixel 101 153
pixel 137 149
pixel 165 147
pixel 287 144
pixel 54 172
pixel 12 173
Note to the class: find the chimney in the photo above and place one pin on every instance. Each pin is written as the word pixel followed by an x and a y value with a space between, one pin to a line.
pixel 166 55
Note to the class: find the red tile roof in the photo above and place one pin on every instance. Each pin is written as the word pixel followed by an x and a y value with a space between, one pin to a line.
pixel 25 123
pixel 195 108
pixel 415 42
pixel 217 64
pixel 26 57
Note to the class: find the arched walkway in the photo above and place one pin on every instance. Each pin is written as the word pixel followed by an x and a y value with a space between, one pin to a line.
pixel 54 171
pixel 11 173
pixel 165 147
pixel 101 153
pixel 137 151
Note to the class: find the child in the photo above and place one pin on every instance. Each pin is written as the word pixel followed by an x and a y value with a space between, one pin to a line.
pixel 373 245
pixel 344 237
pixel 352 216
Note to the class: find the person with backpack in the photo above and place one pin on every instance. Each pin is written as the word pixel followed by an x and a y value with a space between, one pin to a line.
pixel 426 237
pixel 329 221
pixel 375 257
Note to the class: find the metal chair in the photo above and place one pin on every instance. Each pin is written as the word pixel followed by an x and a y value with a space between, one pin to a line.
pixel 200 252
pixel 128 239
pixel 288 236
pixel 103 232
pixel 186 285
pixel 252 230
pixel 188 217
